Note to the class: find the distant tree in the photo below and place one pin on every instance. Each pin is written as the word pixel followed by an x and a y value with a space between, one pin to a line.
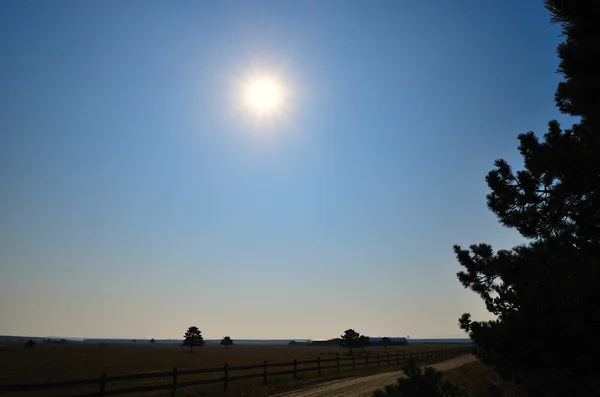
pixel 350 339
pixel 419 382
pixel 193 337
pixel 134 341
pixel 226 341
pixel 363 341
pixel 152 340
pixel 30 343
pixel 545 293
pixel 385 341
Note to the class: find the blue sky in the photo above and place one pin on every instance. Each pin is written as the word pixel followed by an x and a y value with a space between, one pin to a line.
pixel 138 199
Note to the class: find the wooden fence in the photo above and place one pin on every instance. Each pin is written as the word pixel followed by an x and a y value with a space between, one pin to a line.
pixel 226 373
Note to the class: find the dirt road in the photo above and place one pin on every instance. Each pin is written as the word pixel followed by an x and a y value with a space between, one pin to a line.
pixel 365 386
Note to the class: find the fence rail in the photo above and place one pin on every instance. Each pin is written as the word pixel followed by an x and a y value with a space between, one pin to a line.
pixel 226 378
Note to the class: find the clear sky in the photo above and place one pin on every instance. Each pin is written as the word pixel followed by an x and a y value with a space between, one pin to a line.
pixel 138 197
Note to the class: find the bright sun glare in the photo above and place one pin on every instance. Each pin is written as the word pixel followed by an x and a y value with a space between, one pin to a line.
pixel 264 100
pixel 263 96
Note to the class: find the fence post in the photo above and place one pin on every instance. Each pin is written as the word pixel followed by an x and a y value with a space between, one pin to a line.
pixel 367 360
pixel 353 364
pixel 378 362
pixel 102 384
pixel 397 358
pixel 319 365
pixel 295 369
pixel 226 376
pixel 174 385
pixel 265 372
pixel 337 361
pixel 388 358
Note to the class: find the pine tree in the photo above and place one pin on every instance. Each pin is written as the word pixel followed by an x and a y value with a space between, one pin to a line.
pixel 385 341
pixel 226 341
pixel 545 294
pixel 193 337
pixel 350 339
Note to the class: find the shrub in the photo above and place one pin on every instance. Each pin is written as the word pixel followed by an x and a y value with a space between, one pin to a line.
pixel 419 382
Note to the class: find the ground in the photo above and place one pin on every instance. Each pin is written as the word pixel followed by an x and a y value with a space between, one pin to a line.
pixel 478 380
pixel 59 362
pixel 364 386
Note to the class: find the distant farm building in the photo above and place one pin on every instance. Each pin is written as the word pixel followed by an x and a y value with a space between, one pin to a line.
pixel 393 341
pixel 327 342
pixel 373 341
pixel 301 343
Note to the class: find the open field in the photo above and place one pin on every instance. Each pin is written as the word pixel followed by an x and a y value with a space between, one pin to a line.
pixel 59 362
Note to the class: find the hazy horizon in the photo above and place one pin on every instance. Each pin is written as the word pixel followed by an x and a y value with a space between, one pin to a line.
pixel 145 190
pixel 242 339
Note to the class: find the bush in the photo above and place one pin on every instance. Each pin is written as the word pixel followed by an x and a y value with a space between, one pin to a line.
pixel 419 382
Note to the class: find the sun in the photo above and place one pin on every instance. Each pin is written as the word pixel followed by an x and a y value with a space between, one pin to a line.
pixel 263 96
pixel 263 100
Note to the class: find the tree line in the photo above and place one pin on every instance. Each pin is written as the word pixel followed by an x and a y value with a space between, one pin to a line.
pixel 350 339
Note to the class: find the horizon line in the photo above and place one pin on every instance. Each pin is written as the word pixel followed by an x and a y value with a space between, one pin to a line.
pixel 210 338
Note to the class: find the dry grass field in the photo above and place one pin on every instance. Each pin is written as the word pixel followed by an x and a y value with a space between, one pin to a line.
pixel 60 362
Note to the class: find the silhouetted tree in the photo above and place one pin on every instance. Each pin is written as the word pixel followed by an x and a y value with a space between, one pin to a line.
pixel 350 339
pixel 193 337
pixel 385 341
pixel 226 341
pixel 30 343
pixel 152 340
pixel 419 382
pixel 363 341
pixel 545 294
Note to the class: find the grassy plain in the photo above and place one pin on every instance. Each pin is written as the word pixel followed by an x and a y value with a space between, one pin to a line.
pixel 59 362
